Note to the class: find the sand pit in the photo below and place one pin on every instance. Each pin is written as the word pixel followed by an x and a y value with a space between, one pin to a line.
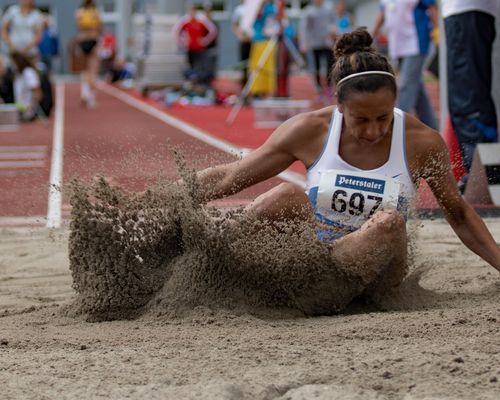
pixel 163 253
pixel 439 337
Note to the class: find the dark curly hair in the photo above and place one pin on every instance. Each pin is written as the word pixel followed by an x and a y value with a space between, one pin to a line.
pixel 354 53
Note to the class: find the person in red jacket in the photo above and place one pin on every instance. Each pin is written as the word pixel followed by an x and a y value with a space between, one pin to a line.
pixel 194 32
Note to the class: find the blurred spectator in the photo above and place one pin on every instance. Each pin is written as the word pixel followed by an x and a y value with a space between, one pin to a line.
pixel 27 88
pixel 265 28
pixel 121 70
pixel 316 38
pixel 22 28
pixel 290 47
pixel 470 32
pixel 107 50
pixel 343 19
pixel 49 45
pixel 211 46
pixel 7 76
pixel 244 41
pixel 194 32
pixel 89 24
pixel 409 24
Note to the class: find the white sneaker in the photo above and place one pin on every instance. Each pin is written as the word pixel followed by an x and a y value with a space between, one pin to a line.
pixel 84 92
pixel 91 102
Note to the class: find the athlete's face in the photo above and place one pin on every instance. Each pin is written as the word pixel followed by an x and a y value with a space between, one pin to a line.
pixel 368 116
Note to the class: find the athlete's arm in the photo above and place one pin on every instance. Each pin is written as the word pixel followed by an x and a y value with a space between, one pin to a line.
pixel 435 168
pixel 273 157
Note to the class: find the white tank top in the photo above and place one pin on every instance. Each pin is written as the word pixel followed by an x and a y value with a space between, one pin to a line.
pixel 345 196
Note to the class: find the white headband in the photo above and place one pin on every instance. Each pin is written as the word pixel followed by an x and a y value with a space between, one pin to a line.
pixel 364 73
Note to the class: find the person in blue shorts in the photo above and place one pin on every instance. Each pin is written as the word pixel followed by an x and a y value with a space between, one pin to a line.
pixel 364 160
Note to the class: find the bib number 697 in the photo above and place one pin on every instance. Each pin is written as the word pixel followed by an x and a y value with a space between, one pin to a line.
pixel 356 202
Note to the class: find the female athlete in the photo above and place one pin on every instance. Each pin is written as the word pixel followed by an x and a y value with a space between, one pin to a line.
pixel 364 160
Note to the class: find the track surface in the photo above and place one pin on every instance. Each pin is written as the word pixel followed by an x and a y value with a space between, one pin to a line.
pixel 131 144
pixel 115 140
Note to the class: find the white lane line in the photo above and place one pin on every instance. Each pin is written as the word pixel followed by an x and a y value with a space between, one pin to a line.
pixel 54 214
pixel 199 134
pixel 22 221
pixel 22 156
pixel 15 149
pixel 9 128
pixel 21 164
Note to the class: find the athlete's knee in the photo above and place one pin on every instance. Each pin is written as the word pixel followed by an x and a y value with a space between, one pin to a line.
pixel 391 222
pixel 288 189
pixel 283 201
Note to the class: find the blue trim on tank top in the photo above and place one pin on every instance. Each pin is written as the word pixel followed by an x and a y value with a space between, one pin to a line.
pixel 313 196
pixel 332 120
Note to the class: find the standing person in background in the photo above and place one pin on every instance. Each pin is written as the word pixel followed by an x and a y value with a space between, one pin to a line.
pixel 244 41
pixel 89 24
pixel 22 28
pixel 316 38
pixel 27 88
pixel 265 28
pixel 470 32
pixel 194 31
pixel 107 51
pixel 343 19
pixel 211 46
pixel 409 24
pixel 7 77
pixel 49 45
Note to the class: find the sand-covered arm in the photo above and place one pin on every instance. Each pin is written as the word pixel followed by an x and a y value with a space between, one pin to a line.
pixel 467 224
pixel 273 157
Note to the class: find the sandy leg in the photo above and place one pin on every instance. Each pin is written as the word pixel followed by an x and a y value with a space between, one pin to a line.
pixel 377 252
pixel 283 202
pixel 375 255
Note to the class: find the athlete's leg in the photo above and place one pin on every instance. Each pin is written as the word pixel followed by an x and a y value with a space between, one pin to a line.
pixel 283 202
pixel 410 88
pixel 92 72
pixel 317 68
pixel 84 84
pixel 374 257
pixel 330 61
pixel 377 250
pixel 376 253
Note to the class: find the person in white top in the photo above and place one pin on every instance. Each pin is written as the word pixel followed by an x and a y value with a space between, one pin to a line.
pixel 244 41
pixel 22 27
pixel 372 156
pixel 316 38
pixel 470 33
pixel 27 89
pixel 409 25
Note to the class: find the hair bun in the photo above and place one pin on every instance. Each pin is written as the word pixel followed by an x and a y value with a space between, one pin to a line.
pixel 358 40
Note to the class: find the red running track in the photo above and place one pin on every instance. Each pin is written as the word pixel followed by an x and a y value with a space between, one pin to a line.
pixel 119 141
pixel 115 140
pixel 24 169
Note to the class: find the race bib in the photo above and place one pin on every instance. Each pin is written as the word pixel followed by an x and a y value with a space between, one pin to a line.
pixel 350 198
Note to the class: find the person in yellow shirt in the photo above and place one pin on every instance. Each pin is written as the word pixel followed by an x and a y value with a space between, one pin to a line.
pixel 89 24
